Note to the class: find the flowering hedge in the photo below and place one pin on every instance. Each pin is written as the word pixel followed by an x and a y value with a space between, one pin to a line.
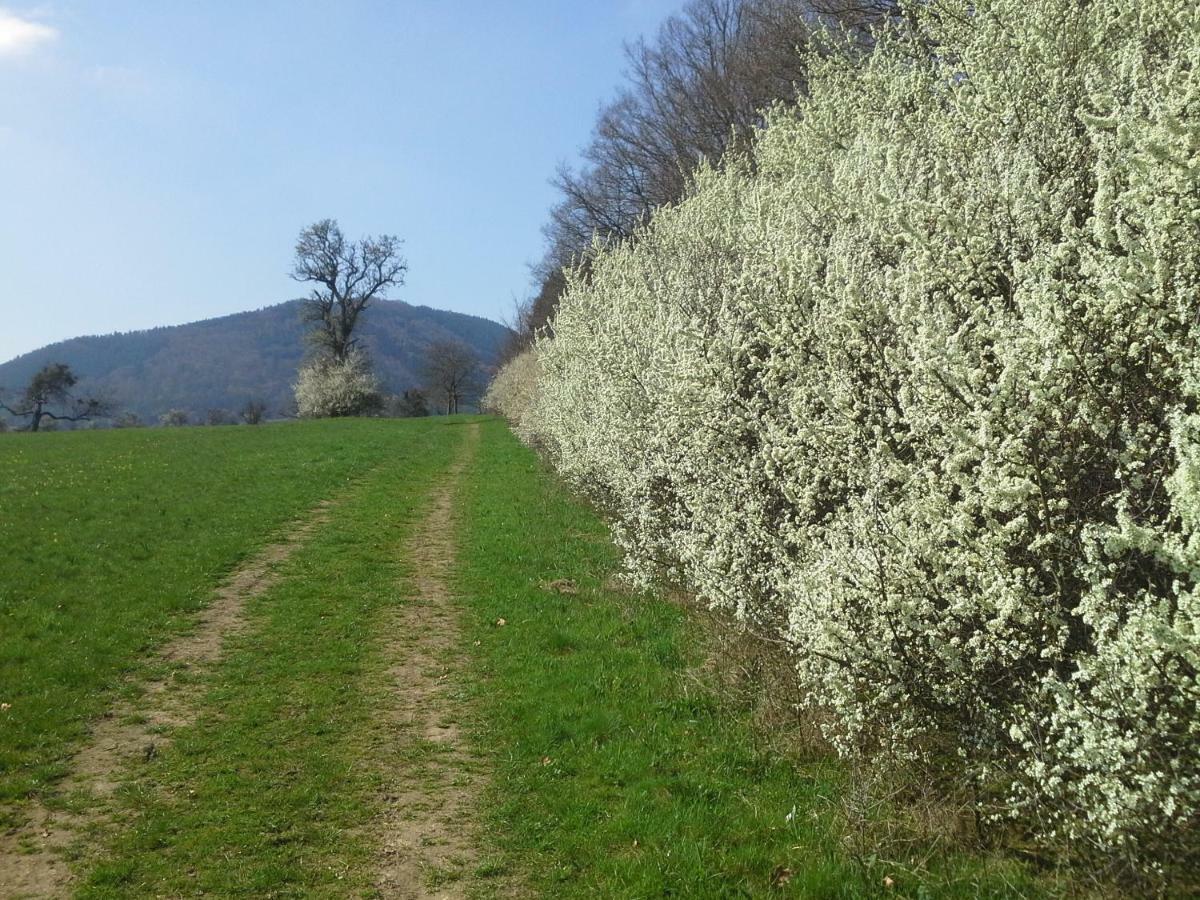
pixel 917 386
pixel 514 388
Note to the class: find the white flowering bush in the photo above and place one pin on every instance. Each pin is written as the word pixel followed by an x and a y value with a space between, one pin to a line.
pixel 327 387
pixel 917 387
pixel 514 388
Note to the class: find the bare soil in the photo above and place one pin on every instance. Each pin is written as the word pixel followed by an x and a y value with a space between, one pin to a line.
pixel 34 856
pixel 428 844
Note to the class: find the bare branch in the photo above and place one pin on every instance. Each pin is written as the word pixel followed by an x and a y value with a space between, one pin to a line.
pixel 349 276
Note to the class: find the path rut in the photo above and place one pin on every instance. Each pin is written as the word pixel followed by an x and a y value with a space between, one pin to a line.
pixel 427 845
pixel 33 859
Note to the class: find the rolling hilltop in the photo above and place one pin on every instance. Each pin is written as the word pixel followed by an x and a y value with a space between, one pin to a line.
pixel 224 362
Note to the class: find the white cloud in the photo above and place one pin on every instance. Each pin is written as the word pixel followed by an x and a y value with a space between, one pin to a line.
pixel 18 35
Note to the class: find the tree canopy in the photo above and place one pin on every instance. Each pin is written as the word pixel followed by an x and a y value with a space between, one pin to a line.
pixel 347 276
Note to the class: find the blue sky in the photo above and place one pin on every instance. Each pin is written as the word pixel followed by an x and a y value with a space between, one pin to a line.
pixel 158 157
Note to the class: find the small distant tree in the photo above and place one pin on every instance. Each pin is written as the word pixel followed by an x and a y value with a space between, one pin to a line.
pixel 253 412
pixel 347 276
pixel 453 371
pixel 328 387
pixel 218 417
pixel 49 396
pixel 290 408
pixel 127 420
pixel 174 418
pixel 409 405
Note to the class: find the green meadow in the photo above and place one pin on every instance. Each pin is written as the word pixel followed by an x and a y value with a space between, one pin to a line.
pixel 609 768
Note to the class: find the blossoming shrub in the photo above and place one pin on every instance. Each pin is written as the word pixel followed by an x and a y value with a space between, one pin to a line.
pixel 513 389
pixel 327 387
pixel 917 386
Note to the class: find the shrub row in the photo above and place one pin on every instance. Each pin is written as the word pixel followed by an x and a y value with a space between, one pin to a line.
pixel 914 384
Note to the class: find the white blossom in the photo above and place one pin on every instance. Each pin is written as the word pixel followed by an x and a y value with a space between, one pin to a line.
pixel 920 390
pixel 327 387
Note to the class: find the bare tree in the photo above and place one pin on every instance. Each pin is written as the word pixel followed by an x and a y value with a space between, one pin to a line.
pixel 347 276
pixel 49 390
pixel 252 413
pixel 453 372
pixel 693 93
pixel 174 418
pixel 411 404
pixel 697 89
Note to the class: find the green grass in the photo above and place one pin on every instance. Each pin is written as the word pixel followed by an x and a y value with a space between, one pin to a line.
pixel 616 776
pixel 612 772
pixel 113 538
pixel 267 794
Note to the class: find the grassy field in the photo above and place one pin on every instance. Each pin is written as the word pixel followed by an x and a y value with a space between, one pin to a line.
pixel 610 771
pixel 113 538
pixel 267 791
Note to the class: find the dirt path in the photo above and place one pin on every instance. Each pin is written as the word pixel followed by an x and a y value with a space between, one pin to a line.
pixel 32 856
pixel 428 849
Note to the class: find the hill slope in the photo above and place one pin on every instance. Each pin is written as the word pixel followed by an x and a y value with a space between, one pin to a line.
pixel 224 362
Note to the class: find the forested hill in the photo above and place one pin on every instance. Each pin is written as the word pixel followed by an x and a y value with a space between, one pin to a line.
pixel 223 363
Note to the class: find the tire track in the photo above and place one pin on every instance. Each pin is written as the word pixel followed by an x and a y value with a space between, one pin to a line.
pixel 33 856
pixel 427 846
